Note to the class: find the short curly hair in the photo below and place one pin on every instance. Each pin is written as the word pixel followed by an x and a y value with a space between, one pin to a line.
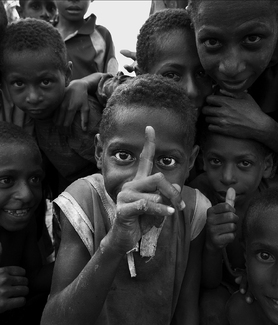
pixel 156 93
pixel 257 208
pixel 11 133
pixel 34 35
pixel 149 37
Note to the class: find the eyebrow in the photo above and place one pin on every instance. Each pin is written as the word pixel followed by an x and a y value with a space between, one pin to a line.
pixel 245 27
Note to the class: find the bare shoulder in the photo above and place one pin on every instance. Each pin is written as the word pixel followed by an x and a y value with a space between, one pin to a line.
pixel 239 312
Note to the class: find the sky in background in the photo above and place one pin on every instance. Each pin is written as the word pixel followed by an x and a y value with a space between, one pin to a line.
pixel 123 19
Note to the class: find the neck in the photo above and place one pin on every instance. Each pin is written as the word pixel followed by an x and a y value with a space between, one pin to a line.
pixel 66 27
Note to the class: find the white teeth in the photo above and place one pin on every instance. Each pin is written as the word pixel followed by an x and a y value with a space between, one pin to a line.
pixel 18 213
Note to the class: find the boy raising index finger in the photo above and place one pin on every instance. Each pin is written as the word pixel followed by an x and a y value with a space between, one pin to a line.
pixel 104 216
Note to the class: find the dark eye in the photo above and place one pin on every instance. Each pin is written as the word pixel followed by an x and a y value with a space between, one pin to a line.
pixel 212 43
pixel 18 83
pixel 214 161
pixel 252 39
pixel 265 257
pixel 172 75
pixel 244 164
pixel 6 181
pixel 36 180
pixel 202 74
pixel 123 156
pixel 46 82
pixel 167 161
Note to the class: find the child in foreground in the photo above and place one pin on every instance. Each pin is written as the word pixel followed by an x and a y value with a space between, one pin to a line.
pixel 145 151
pixel 260 241
pixel 24 281
pixel 36 73
pixel 245 165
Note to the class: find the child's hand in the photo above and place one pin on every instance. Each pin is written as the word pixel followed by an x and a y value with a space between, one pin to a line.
pixel 75 99
pixel 142 201
pixel 13 287
pixel 238 116
pixel 131 55
pixel 221 226
pixel 241 279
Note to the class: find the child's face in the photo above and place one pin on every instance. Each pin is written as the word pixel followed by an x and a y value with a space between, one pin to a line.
pixel 20 185
pixel 237 163
pixel 235 40
pixel 262 263
pixel 118 157
pixel 179 60
pixel 72 10
pixel 35 84
pixel 39 9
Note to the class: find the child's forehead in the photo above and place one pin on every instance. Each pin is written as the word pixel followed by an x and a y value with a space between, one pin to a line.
pixel 233 10
pixel 217 140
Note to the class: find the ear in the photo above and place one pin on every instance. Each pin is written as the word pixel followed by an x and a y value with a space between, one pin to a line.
pixel 268 166
pixel 68 73
pixel 19 11
pixel 193 157
pixel 98 150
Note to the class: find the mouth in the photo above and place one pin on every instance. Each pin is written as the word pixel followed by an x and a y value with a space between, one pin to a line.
pixel 234 86
pixel 18 213
pixel 73 9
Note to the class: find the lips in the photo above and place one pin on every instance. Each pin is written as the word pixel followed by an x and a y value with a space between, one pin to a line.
pixel 234 86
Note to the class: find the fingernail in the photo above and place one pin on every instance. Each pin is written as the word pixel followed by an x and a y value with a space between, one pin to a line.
pixel 170 210
pixel 182 205
pixel 242 291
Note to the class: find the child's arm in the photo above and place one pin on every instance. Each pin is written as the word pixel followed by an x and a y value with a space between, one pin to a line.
pixel 241 117
pixel 76 99
pixel 220 231
pixel 187 307
pixel 80 282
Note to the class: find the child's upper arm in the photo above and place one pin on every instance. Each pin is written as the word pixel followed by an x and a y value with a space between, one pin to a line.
pixel 71 258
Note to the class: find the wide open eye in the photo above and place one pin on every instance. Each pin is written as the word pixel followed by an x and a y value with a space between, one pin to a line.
pixel 264 256
pixel 123 156
pixel 212 43
pixel 166 161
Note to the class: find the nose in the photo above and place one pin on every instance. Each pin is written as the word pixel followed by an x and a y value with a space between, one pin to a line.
pixel 23 192
pixel 232 63
pixel 192 91
pixel 45 14
pixel 228 175
pixel 33 96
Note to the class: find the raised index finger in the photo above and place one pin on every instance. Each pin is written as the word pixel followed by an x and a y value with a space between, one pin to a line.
pixel 147 154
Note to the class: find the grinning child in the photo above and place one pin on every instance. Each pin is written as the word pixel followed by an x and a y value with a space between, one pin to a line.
pixel 245 165
pixel 39 9
pixel 24 281
pixel 261 253
pixel 237 46
pixel 145 151
pixel 36 73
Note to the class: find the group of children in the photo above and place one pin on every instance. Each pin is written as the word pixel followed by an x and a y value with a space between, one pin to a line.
pixel 174 173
